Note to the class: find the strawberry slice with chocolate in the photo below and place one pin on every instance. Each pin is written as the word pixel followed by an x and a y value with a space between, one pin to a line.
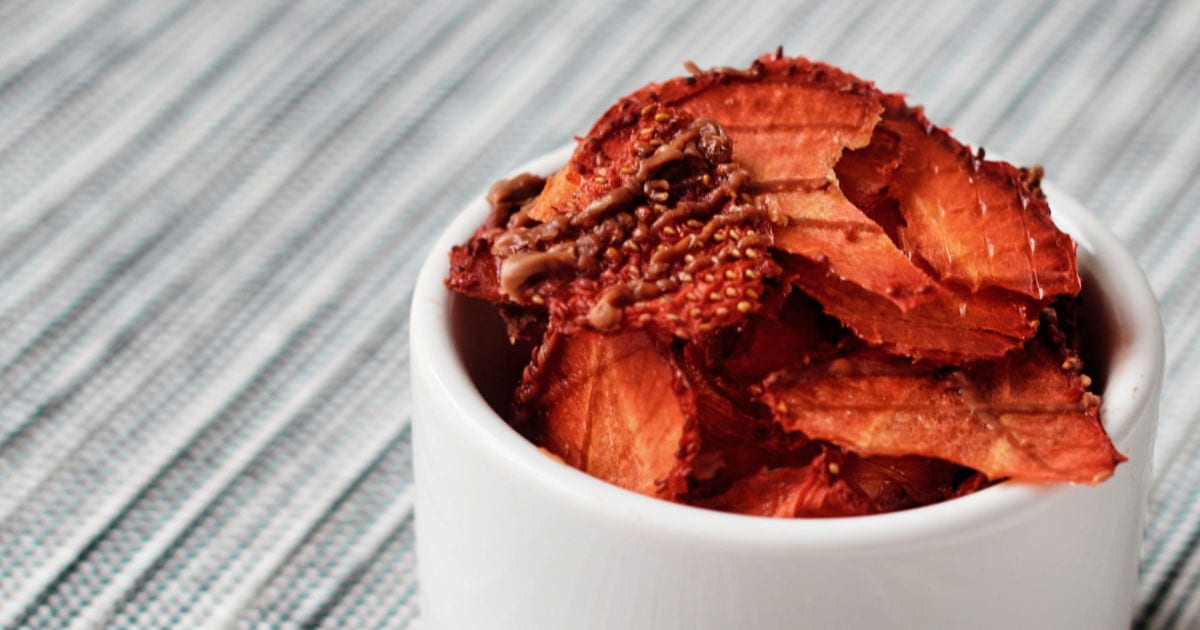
pixel 474 271
pixel 1027 416
pixel 616 407
pixel 646 228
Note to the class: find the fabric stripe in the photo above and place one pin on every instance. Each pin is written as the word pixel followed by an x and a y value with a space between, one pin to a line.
pixel 340 546
pixel 38 36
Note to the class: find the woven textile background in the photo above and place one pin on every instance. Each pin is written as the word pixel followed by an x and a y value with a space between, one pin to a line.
pixel 212 213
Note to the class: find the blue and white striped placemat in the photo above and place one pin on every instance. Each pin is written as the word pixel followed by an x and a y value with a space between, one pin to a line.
pixel 212 213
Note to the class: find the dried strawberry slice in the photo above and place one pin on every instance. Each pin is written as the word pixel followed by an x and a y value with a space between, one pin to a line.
pixel 948 326
pixel 798 332
pixel 1026 416
pixel 616 407
pixel 473 269
pixel 644 228
pixel 901 483
pixel 738 434
pixel 793 491
pixel 976 222
pixel 865 176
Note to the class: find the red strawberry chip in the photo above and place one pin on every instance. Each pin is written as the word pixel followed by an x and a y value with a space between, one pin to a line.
pixel 1026 416
pixel 947 326
pixel 975 222
pixel 615 407
pixel 789 492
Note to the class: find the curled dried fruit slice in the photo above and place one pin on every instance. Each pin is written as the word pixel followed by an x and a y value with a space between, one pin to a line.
pixel 900 483
pixel 859 195
pixel 616 407
pixel 1026 416
pixel 975 222
pixel 738 434
pixel 793 491
pixel 865 175
pixel 948 326
pixel 795 332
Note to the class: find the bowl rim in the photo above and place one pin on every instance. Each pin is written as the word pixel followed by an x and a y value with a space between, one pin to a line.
pixel 1136 370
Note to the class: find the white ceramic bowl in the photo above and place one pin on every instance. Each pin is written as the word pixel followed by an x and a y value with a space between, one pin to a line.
pixel 509 538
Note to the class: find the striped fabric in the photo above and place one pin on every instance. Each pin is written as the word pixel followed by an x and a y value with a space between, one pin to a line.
pixel 212 213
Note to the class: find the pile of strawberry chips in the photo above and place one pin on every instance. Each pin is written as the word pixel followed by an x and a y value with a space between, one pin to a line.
pixel 779 291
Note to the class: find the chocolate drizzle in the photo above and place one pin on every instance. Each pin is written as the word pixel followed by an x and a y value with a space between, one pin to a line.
pixel 518 270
